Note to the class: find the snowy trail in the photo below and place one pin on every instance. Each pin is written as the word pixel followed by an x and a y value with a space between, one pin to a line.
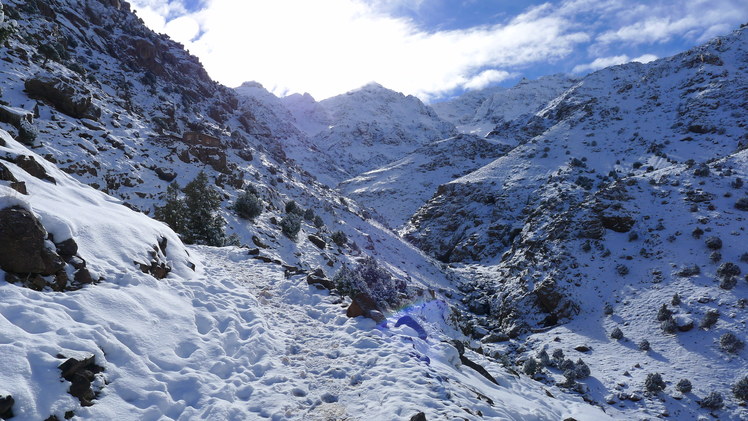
pixel 239 341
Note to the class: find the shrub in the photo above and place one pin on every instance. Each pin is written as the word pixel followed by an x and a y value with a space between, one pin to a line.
pixel 730 343
pixel 309 214
pixel 644 345
pixel 744 257
pixel 292 207
pixel 544 358
pixel 712 401
pixel 608 309
pixel 530 367
pixel 728 283
pixel 566 364
pixel 339 238
pixel 714 243
pixel 318 222
pixel 654 383
pixel 737 183
pixel 291 225
pixel 715 256
pixel 676 300
pixel 622 270
pixel 710 318
pixel 558 356
pixel 683 386
pixel 248 205
pixel 740 389
pixel 728 269
pixel 697 232
pixel 582 369
pixel 742 204
pixel 664 313
pixel 616 334
pixel 633 236
pixel 370 278
pixel 668 325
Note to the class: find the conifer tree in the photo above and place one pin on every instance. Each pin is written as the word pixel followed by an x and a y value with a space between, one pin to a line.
pixel 174 211
pixel 204 224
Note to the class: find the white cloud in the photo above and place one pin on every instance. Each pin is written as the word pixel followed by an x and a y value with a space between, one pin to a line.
pixel 662 21
pixel 603 62
pixel 326 48
pixel 487 77
pixel 331 46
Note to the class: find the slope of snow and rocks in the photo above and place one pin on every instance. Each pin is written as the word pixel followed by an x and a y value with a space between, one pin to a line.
pixel 614 196
pixel 117 319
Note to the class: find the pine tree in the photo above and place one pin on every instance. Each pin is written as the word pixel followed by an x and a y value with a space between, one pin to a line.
pixel 204 224
pixel 174 211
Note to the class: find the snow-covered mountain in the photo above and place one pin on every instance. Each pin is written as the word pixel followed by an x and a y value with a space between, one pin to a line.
pixel 566 208
pixel 489 112
pixel 370 127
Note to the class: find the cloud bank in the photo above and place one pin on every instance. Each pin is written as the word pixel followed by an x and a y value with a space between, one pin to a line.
pixel 328 47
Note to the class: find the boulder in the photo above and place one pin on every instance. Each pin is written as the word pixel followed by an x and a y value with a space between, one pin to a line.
pixel 166 174
pixel 318 278
pixel 67 95
pixel 617 223
pixel 67 249
pixel 22 248
pixel 317 241
pixel 365 305
pixel 418 417
pixel 6 406
pixel 29 164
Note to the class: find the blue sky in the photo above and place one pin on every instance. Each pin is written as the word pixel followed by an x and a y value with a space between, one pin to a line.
pixel 433 49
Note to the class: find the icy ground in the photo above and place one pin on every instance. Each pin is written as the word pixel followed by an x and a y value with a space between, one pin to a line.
pixel 240 341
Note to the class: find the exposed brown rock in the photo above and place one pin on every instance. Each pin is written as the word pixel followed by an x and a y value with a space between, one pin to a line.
pixel 68 96
pixel 22 248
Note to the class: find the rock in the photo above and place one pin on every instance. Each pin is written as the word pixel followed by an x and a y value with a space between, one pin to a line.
pixel 418 417
pixel 683 323
pixel 253 252
pixel 547 297
pixel 67 249
pixel 19 186
pixel 22 248
pixel 318 278
pixel 364 305
pixel 80 373
pixel 617 223
pixel 6 406
pixel 67 95
pixel 256 240
pixel 165 174
pixel 83 276
pixel 582 348
pixel 592 229
pixel 495 337
pixel 317 241
pixel 6 175
pixel 29 164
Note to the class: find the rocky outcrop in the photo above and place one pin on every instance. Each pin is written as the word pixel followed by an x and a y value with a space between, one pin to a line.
pixel 365 305
pixel 6 406
pixel 81 374
pixel 65 94
pixel 157 266
pixel 22 247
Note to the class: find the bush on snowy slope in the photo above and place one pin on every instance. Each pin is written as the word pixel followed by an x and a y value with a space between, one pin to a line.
pixel 370 278
pixel 84 227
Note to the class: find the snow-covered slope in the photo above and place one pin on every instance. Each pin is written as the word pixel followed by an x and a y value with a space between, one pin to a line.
pixel 490 112
pixel 398 189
